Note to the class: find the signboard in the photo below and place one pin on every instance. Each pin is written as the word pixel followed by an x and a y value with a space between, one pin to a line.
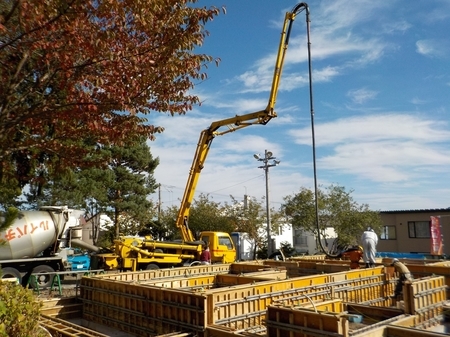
pixel 437 245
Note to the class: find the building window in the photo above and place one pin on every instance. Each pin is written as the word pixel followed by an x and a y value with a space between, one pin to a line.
pixel 419 229
pixel 300 238
pixel 388 233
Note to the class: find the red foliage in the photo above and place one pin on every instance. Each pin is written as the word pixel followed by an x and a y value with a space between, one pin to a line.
pixel 75 70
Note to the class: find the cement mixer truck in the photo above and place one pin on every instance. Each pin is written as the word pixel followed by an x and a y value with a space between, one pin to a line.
pixel 40 242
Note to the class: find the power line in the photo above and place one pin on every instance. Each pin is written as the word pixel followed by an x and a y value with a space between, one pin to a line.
pixel 237 184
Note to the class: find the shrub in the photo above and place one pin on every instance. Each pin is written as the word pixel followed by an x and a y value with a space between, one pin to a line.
pixel 19 312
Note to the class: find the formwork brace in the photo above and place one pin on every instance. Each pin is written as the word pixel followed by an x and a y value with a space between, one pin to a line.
pixel 284 292
pixel 115 307
pixel 302 296
pixel 66 329
pixel 430 291
pixel 113 292
pixel 375 300
pixel 365 278
pixel 309 331
pixel 185 324
pixel 238 317
pixel 430 306
pixel 144 330
pixel 178 334
pixel 180 305
pixel 376 325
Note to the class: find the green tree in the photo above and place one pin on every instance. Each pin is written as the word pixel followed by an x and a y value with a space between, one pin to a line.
pixel 207 215
pixel 248 217
pixel 120 188
pixel 251 217
pixel 133 181
pixel 7 217
pixel 337 209
pixel 78 70
pixel 167 219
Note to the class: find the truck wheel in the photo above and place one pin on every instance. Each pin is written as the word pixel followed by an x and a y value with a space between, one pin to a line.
pixel 152 266
pixel 9 272
pixel 44 278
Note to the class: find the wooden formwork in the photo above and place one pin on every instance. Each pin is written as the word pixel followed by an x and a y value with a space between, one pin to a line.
pixel 201 282
pixel 302 322
pixel 62 328
pixel 146 275
pixel 195 302
pixel 160 304
pixel 61 307
pixel 320 257
pixel 438 268
pixel 233 303
pixel 245 306
pixel 425 298
pixel 362 285
pixel 293 268
pixel 142 310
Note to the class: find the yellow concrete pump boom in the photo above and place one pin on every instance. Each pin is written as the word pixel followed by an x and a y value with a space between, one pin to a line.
pixel 233 124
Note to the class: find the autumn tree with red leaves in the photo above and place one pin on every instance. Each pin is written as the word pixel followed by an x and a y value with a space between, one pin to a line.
pixel 76 75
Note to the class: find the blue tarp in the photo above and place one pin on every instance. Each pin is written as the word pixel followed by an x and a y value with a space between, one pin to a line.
pixel 395 255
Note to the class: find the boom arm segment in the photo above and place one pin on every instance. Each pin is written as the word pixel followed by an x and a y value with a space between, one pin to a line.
pixel 232 124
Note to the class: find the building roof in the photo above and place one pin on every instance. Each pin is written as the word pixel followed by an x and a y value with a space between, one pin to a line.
pixel 433 210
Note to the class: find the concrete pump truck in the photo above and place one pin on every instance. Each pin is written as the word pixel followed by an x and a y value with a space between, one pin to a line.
pixel 140 253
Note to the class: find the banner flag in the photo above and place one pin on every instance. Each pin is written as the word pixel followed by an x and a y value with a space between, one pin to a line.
pixel 437 245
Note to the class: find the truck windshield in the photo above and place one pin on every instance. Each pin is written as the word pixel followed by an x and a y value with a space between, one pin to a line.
pixel 225 241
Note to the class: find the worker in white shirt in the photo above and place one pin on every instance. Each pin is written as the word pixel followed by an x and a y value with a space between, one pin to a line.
pixel 369 241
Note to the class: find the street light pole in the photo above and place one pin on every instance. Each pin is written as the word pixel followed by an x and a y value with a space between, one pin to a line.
pixel 268 156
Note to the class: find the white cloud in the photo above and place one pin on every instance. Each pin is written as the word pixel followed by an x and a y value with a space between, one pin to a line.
pixel 377 127
pixel 433 47
pixel 332 35
pixel 396 26
pixel 380 148
pixel 360 96
pixel 418 101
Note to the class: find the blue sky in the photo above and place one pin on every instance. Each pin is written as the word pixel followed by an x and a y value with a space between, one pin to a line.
pixel 381 84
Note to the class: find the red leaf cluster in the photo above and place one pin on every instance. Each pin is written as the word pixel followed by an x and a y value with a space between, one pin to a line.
pixel 74 70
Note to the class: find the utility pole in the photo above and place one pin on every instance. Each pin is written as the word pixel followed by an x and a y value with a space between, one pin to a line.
pixel 268 156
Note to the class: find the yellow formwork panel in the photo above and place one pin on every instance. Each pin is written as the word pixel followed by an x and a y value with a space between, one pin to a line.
pixel 309 258
pixel 245 305
pixel 62 328
pixel 293 268
pixel 226 280
pixel 185 283
pixel 396 331
pixel 144 275
pixel 248 267
pixel 232 305
pixel 142 309
pixel 356 273
pixel 442 269
pixel 425 297
pixel 151 308
pixel 299 322
pixel 325 305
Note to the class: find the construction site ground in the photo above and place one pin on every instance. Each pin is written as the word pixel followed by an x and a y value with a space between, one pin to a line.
pixel 307 296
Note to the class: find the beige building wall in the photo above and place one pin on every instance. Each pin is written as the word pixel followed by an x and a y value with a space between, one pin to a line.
pixel 405 222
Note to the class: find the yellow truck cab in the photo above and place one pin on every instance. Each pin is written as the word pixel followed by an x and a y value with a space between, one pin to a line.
pixel 220 245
